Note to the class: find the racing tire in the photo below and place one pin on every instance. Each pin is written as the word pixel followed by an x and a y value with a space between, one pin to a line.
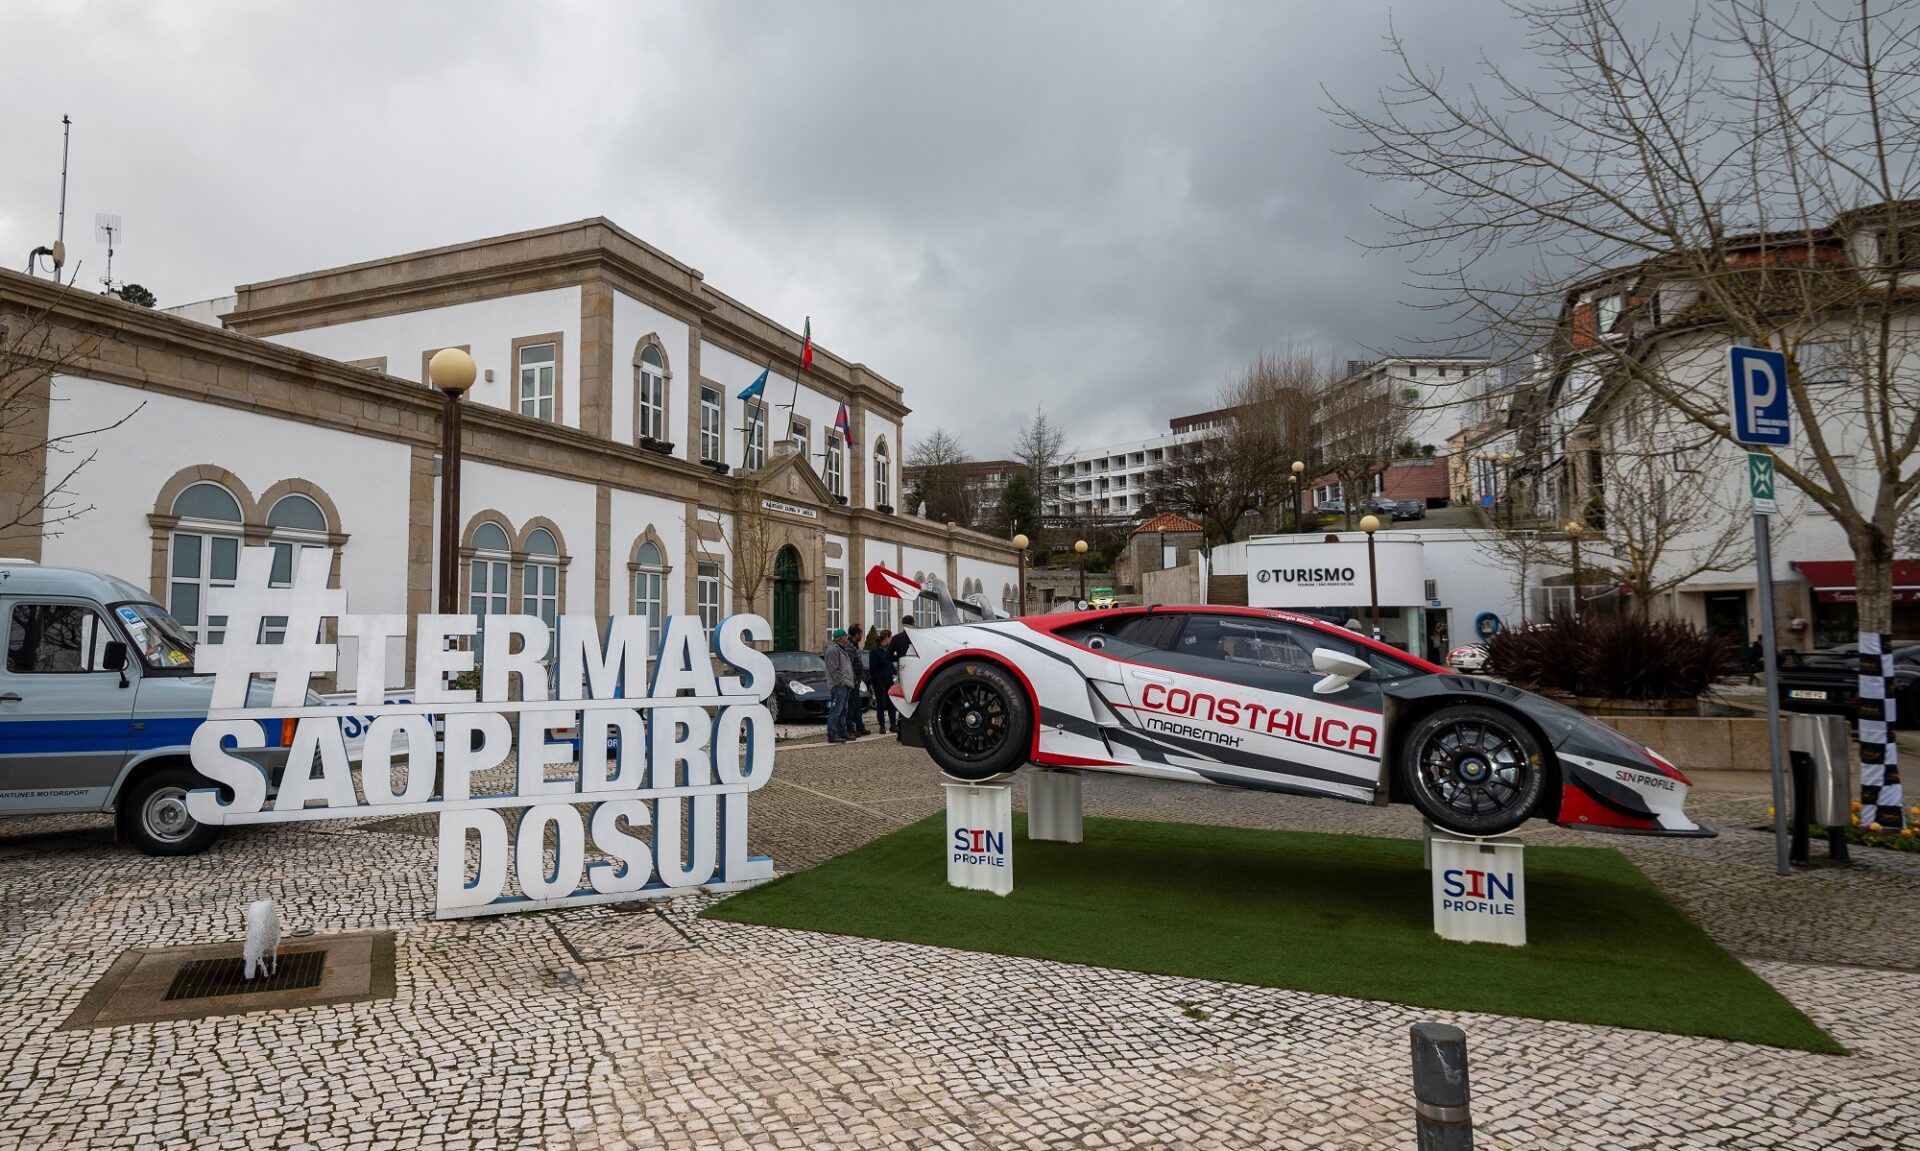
pixel 975 721
pixel 152 813
pixel 1473 770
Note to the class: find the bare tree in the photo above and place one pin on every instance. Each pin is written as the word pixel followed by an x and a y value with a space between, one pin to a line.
pixel 38 466
pixel 1749 177
pixel 1243 465
pixel 937 477
pixel 1360 430
pixel 1038 447
pixel 747 532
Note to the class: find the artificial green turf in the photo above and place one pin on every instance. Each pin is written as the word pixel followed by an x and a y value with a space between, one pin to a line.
pixel 1334 914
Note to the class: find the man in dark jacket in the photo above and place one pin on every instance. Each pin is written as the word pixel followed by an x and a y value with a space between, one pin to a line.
pixel 856 710
pixel 896 650
pixel 880 675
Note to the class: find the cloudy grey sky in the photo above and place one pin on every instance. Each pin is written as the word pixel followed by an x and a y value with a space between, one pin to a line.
pixel 1105 207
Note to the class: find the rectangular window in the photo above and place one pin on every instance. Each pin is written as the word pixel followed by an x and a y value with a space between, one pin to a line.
pixel 52 638
pixel 756 435
pixel 883 612
pixel 836 464
pixel 199 563
pixel 798 435
pixel 710 427
pixel 541 594
pixel 487 587
pixel 882 481
pixel 707 593
pixel 273 628
pixel 653 406
pixel 833 603
pixel 537 383
pixel 647 601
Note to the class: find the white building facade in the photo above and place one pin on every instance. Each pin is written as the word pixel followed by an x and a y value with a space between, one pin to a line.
pixel 609 464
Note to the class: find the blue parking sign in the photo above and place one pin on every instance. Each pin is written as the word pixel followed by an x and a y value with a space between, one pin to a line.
pixel 1759 381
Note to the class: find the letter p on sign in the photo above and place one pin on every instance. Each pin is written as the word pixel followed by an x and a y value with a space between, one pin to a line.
pixel 1758 379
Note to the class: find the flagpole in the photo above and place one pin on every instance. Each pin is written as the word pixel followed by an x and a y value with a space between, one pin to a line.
pixel 800 366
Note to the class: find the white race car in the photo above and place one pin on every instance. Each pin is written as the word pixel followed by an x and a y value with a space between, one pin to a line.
pixel 1268 700
pixel 1472 657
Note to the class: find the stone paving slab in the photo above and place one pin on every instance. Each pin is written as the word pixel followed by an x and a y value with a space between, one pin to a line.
pixel 498 1036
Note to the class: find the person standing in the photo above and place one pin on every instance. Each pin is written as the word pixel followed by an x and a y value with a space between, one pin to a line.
pixel 881 674
pixel 857 709
pixel 896 651
pixel 840 683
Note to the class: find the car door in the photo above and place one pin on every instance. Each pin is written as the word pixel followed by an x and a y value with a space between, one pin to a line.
pixel 1235 693
pixel 64 718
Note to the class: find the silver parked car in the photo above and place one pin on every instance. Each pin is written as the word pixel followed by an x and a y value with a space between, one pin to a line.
pixel 98 705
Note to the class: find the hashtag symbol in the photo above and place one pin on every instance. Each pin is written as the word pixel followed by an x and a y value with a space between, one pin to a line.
pixel 252 598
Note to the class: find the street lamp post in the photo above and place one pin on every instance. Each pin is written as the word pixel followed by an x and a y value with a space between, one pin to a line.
pixel 452 371
pixel 1299 470
pixel 1574 530
pixel 1506 483
pixel 1020 543
pixel 1080 549
pixel 1370 525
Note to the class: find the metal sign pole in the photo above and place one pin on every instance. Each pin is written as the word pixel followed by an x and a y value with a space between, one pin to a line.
pixel 1763 562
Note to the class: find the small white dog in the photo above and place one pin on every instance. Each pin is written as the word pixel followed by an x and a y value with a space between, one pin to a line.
pixel 263 938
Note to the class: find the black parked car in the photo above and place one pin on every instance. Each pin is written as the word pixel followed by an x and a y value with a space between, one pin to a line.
pixel 1829 681
pixel 800 686
pixel 1410 510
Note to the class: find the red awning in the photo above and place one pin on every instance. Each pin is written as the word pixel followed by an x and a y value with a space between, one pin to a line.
pixel 1832 580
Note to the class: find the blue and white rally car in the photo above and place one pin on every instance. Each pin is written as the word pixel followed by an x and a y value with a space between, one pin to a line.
pixel 1267 700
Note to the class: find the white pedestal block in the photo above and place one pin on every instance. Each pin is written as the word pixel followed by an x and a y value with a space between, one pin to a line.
pixel 1479 888
pixel 980 836
pixel 1053 805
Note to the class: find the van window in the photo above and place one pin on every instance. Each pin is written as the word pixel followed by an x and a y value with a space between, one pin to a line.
pixel 51 638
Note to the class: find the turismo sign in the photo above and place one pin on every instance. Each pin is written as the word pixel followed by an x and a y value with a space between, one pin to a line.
pixel 1308 572
pixel 631 767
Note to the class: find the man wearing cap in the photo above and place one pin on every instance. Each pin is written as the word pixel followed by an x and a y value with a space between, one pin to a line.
pixel 840 681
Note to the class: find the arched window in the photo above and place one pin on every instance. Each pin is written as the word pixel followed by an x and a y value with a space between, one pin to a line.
pixel 882 477
pixel 298 526
pixel 649 584
pixel 540 579
pixel 487 592
pixel 650 394
pixel 203 554
pixel 836 464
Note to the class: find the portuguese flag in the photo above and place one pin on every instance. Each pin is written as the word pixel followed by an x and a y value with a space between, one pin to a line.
pixel 806 345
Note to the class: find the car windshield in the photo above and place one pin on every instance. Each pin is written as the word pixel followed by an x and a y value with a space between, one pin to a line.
pixel 799 662
pixel 158 637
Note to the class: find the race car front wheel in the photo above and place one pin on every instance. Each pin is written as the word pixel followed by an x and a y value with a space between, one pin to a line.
pixel 1473 770
pixel 976 721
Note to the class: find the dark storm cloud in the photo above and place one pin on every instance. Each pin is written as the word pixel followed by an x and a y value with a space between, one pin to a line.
pixel 1103 207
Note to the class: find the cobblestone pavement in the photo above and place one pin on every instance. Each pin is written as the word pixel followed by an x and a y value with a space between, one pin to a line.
pixel 603 1029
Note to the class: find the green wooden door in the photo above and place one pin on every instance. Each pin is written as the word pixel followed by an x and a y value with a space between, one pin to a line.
pixel 786 600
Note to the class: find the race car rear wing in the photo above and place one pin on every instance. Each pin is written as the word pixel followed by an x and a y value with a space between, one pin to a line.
pixel 933 604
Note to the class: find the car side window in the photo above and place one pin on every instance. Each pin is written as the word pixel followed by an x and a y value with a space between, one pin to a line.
pixel 1247 641
pixel 1129 637
pixel 55 638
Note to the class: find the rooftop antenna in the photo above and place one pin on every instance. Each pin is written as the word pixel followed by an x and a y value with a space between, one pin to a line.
pixel 58 253
pixel 108 228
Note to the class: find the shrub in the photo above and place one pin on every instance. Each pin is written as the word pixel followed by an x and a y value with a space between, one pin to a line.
pixel 1610 656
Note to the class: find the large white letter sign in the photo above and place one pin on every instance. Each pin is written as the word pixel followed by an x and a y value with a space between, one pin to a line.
pixel 635 780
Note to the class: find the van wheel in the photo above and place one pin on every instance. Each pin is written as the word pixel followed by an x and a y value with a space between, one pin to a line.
pixel 153 813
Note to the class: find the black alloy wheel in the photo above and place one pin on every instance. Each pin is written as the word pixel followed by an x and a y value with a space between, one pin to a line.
pixel 1473 770
pixel 976 721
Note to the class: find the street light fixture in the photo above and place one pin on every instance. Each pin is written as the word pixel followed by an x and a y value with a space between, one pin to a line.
pixel 1574 530
pixel 1299 470
pixel 1020 543
pixel 1080 549
pixel 450 370
pixel 1370 525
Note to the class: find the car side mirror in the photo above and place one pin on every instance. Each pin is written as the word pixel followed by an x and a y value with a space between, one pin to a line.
pixel 1338 667
pixel 114 656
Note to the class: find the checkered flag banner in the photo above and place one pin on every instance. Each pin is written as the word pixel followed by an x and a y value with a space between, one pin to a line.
pixel 1880 795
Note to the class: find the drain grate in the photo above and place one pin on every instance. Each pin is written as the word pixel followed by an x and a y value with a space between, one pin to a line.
pixel 208 978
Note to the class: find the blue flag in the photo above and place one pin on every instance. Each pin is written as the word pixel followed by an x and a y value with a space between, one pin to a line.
pixel 756 387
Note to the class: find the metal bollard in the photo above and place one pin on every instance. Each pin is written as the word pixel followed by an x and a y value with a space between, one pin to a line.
pixel 1441 1118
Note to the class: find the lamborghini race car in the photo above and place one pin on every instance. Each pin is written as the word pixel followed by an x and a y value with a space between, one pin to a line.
pixel 1272 701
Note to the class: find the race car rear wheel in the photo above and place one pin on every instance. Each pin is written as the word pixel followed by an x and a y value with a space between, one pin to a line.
pixel 1473 770
pixel 975 721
